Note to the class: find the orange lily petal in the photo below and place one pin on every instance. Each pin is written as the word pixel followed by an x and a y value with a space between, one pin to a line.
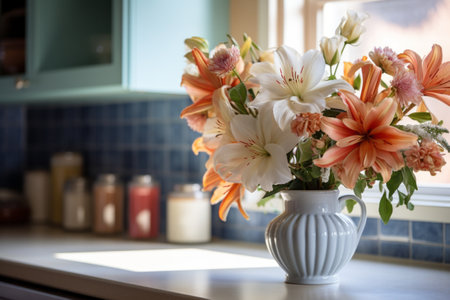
pixel 202 63
pixel 352 167
pixel 391 139
pixel 367 154
pixel 380 115
pixel 356 107
pixel 211 179
pixel 433 61
pixel 201 105
pixel 333 156
pixel 336 128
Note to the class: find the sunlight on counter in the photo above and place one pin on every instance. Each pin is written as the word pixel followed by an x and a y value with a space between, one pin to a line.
pixel 168 260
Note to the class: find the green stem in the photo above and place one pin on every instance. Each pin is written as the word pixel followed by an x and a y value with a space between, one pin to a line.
pixel 237 75
pixel 337 65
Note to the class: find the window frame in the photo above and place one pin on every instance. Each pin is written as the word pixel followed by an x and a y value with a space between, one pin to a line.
pixel 432 201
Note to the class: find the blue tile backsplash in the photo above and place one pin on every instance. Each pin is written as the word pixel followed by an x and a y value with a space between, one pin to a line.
pixel 149 137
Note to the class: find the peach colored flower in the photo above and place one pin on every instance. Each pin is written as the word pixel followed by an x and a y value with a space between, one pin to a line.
pixel 386 59
pixel 431 73
pixel 226 193
pixel 406 88
pixel 197 121
pixel 426 157
pixel 224 60
pixel 306 124
pixel 365 139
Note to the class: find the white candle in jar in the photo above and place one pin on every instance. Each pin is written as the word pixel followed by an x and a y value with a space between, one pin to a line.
pixel 188 215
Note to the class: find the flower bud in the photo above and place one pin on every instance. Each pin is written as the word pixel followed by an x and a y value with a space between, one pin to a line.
pixel 351 26
pixel 331 49
pixel 197 42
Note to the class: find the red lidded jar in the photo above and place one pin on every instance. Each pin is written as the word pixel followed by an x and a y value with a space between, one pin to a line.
pixel 143 201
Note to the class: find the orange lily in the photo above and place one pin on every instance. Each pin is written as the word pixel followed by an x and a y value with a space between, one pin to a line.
pixel 201 88
pixel 225 192
pixel 371 79
pixel 431 73
pixel 365 139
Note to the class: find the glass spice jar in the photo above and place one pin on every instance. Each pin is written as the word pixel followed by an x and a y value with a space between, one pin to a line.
pixel 65 165
pixel 108 205
pixel 188 215
pixel 76 205
pixel 143 207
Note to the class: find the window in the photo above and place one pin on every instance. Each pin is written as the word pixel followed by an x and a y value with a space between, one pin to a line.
pixel 399 24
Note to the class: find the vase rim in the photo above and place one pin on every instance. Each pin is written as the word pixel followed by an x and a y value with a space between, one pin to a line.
pixel 313 191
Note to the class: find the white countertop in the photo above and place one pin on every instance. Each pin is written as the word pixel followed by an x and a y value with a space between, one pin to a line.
pixel 117 268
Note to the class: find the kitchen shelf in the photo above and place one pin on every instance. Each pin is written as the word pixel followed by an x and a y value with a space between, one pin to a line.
pixel 109 49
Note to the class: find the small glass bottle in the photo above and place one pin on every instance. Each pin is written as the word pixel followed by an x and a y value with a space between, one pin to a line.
pixel 108 205
pixel 143 209
pixel 188 215
pixel 65 165
pixel 76 205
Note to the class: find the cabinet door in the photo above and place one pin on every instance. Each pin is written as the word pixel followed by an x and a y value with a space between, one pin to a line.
pixel 74 47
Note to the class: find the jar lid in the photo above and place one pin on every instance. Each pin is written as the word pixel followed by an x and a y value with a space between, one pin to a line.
pixel 108 179
pixel 188 187
pixel 143 179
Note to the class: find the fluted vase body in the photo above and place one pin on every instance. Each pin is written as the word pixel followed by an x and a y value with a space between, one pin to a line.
pixel 312 240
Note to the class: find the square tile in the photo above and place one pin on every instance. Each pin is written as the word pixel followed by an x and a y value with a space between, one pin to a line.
pixel 159 110
pixel 428 231
pixel 178 160
pixel 366 246
pixel 371 228
pixel 427 253
pixel 395 249
pixel 447 234
pixel 398 228
pixel 447 255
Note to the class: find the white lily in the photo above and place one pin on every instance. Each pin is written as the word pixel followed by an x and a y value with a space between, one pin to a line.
pixel 258 157
pixel 217 130
pixel 293 84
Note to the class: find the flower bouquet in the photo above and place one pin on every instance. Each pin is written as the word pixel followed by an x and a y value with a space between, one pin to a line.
pixel 280 120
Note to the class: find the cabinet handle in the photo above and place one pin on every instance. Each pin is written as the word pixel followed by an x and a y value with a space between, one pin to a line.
pixel 22 83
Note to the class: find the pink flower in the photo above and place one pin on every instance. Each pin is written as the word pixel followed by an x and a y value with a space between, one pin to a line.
pixel 406 87
pixel 224 60
pixel 306 124
pixel 386 59
pixel 196 121
pixel 426 157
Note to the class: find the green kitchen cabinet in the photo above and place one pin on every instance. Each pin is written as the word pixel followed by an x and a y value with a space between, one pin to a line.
pixel 109 49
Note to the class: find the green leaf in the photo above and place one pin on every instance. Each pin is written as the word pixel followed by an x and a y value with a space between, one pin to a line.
pixel 305 149
pixel 332 112
pixel 238 95
pixel 315 171
pixel 359 187
pixel 385 209
pixel 401 198
pixel 263 201
pixel 409 180
pixel 383 84
pixel 410 206
pixel 420 116
pixel 276 188
pixel 350 203
pixel 357 82
pixel 394 182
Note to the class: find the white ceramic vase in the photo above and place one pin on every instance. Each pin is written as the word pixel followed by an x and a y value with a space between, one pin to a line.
pixel 312 240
